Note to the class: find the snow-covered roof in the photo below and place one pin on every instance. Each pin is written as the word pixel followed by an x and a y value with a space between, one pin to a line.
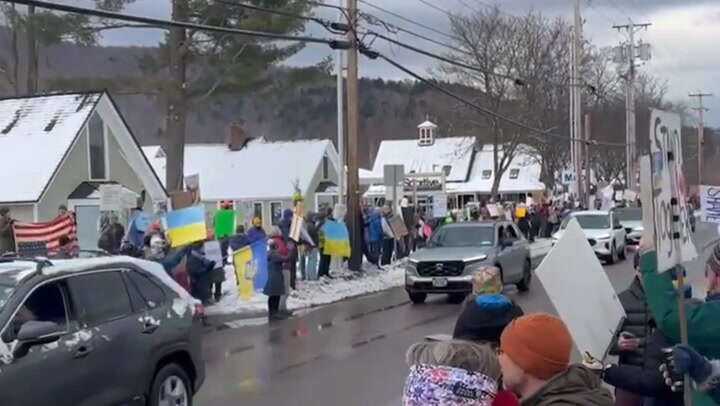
pixel 455 152
pixel 523 164
pixel 260 170
pixel 427 124
pixel 35 134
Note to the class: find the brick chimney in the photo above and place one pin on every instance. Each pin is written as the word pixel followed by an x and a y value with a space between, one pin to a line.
pixel 236 136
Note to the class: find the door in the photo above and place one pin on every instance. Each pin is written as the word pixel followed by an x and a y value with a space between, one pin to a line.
pixel 102 305
pixel 53 373
pixel 88 220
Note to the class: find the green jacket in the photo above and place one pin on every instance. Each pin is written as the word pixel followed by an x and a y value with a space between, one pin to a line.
pixel 702 318
pixel 577 386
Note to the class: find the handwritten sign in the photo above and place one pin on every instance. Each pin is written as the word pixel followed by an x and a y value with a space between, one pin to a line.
pixel 440 206
pixel 111 197
pixel 710 203
pixel 670 213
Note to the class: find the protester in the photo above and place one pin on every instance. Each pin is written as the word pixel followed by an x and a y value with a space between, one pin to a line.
pixel 535 223
pixel 309 263
pixel 275 285
pixel 374 231
pixel 200 270
pixel 453 373
pixel 139 225
pixel 283 248
pixel 284 225
pixel 65 249
pixel 256 232
pixel 484 318
pixel 388 242
pixel 112 234
pixel 324 267
pixel 702 325
pixel 535 362
pixel 62 210
pixel 704 373
pixel 7 235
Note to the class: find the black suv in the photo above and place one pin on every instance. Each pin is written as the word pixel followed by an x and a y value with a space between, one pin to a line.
pixel 97 331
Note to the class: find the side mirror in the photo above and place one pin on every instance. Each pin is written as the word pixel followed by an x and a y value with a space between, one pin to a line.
pixel 618 227
pixel 34 333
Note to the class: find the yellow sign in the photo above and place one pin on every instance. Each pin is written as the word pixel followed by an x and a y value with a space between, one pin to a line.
pixel 245 268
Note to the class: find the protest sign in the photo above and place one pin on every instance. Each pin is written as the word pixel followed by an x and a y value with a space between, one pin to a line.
pixel 646 195
pixel 710 203
pixel 568 177
pixel 224 223
pixel 493 210
pixel 245 270
pixel 580 291
pixel 670 212
pixel 213 252
pixel 398 226
pixel 440 205
pixel 186 225
pixel 181 200
pixel 111 197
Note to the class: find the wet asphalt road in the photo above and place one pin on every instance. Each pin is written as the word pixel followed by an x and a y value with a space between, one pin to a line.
pixel 350 353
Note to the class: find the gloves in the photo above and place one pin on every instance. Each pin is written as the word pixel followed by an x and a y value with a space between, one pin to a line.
pixel 706 374
pixel 672 377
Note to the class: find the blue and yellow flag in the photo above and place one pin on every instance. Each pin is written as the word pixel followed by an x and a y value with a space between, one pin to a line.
pixel 245 270
pixel 186 225
pixel 337 239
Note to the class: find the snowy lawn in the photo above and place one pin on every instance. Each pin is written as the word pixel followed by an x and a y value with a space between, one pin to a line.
pixel 310 294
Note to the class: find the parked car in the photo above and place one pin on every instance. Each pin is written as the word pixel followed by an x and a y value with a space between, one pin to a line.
pixel 97 331
pixel 603 231
pixel 456 250
pixel 631 220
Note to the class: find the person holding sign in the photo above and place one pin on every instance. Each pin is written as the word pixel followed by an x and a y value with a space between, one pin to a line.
pixel 702 318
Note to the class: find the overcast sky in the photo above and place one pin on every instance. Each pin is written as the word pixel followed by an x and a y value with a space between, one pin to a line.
pixel 683 35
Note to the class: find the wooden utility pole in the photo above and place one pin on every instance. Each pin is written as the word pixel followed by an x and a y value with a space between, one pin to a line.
pixel 587 160
pixel 176 100
pixel 701 109
pixel 353 122
pixel 32 53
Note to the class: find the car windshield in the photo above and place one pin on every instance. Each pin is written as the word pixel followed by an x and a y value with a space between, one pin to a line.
pixel 5 292
pixel 590 221
pixel 463 237
pixel 629 214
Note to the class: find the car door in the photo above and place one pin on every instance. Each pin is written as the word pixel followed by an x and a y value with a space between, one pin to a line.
pixel 518 253
pixel 618 231
pixel 102 305
pixel 52 373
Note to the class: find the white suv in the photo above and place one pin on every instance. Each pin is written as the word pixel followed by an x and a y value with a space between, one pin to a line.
pixel 603 231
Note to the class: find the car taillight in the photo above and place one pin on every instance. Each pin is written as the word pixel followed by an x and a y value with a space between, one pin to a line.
pixel 199 311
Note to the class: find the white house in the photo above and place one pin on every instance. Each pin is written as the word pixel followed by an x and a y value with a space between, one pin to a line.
pixel 58 149
pixel 258 176
pixel 466 170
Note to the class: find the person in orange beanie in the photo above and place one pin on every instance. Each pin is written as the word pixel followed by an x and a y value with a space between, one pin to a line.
pixel 535 363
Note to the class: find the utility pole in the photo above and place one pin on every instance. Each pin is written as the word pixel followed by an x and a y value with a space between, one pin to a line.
pixel 627 54
pixel 353 120
pixel 576 101
pixel 586 146
pixel 340 117
pixel 701 109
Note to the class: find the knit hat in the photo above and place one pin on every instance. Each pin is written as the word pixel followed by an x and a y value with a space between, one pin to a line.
pixel 485 318
pixel 487 280
pixel 434 385
pixel 540 344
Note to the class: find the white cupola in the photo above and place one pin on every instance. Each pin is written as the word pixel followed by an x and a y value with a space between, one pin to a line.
pixel 426 133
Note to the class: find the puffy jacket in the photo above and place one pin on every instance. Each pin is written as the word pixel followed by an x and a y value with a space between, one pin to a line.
pixel 577 386
pixel 702 318
pixel 637 322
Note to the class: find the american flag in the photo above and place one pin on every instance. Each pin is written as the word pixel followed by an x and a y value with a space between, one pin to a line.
pixel 49 232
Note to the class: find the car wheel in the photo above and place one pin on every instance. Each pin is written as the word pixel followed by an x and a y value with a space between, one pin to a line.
pixel 524 284
pixel 612 258
pixel 417 298
pixel 457 298
pixel 171 387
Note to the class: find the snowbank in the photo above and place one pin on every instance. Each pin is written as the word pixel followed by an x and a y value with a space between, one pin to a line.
pixel 309 294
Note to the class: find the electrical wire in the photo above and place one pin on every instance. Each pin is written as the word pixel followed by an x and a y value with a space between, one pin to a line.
pixel 172 23
pixel 407 20
pixel 434 7
pixel 394 29
pixel 374 55
pixel 325 23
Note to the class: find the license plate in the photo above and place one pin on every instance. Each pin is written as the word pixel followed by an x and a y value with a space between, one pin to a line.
pixel 440 282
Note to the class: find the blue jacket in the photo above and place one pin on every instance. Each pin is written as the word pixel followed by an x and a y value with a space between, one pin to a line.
pixel 285 223
pixel 255 234
pixel 373 225
pixel 238 241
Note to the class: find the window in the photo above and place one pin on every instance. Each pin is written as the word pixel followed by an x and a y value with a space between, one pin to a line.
pixel 153 294
pixel 99 297
pixel 464 236
pixel 258 210
pixel 96 142
pixel 325 168
pixel 486 174
pixel 275 212
pixel 46 303
pixel 514 173
pixel 425 137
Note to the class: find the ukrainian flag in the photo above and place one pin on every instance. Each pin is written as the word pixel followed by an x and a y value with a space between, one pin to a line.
pixel 186 225
pixel 337 239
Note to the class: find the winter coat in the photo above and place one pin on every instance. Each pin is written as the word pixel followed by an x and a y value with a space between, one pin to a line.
pixel 312 232
pixel 373 225
pixel 577 386
pixel 638 322
pixel 255 234
pixel 111 238
pixel 7 236
pixel 238 241
pixel 703 328
pixel 387 230
pixel 275 285
pixel 646 379
pixel 285 223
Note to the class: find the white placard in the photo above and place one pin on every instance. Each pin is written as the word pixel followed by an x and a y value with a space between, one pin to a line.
pixel 568 177
pixel 213 252
pixel 493 210
pixel 646 194
pixel 710 203
pixel 630 195
pixel 440 209
pixel 580 290
pixel 672 238
pixel 111 197
pixel 129 199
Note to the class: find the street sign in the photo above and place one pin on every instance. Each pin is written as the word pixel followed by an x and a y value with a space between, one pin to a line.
pixel 568 177
pixel 440 208
pixel 710 203
pixel 671 216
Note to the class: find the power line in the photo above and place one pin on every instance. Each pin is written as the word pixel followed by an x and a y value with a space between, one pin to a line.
pixel 329 25
pixel 172 23
pixel 374 55
pixel 407 20
pixel 394 28
pixel 434 7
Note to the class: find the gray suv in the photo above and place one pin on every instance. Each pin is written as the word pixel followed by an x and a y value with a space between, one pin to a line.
pixel 97 331
pixel 455 251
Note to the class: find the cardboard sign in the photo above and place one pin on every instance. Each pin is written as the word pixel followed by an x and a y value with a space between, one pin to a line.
pixel 111 197
pixel 493 210
pixel 296 228
pixel 440 206
pixel 398 226
pixel 181 200
pixel 710 203
pixel 583 298
pixel 673 239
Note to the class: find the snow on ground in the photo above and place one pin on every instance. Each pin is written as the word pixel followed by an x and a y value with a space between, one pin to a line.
pixel 309 293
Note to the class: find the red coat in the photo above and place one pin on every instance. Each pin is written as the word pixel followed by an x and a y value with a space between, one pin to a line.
pixel 282 249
